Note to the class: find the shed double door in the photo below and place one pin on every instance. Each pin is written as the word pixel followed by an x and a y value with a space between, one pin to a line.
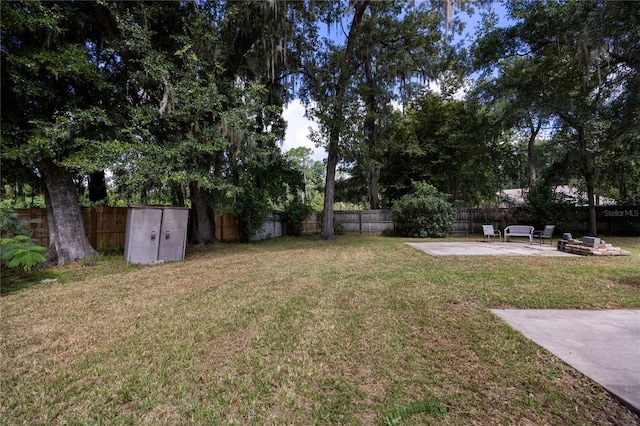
pixel 155 233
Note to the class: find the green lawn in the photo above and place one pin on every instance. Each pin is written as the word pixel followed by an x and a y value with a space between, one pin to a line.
pixel 363 330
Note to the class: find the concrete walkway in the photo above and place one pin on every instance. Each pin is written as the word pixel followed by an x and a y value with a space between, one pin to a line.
pixel 480 248
pixel 602 345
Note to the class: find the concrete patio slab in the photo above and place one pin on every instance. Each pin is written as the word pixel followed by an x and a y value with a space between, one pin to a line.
pixel 602 345
pixel 480 248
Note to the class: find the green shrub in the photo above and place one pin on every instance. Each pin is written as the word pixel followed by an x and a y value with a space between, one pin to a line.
pixel 338 228
pixel 22 251
pixel 252 208
pixel 105 247
pixel 424 213
pixel 11 225
pixel 17 248
pixel 294 214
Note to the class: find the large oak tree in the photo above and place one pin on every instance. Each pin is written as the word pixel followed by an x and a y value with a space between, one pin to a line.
pixel 577 64
pixel 59 80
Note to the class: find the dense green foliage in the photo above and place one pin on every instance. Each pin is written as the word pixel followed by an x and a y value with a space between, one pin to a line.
pixel 181 102
pixel 17 248
pixel 574 66
pixel 424 212
pixel 545 206
pixel 20 251
pixel 398 47
pixel 295 212
pixel 452 145
pixel 173 98
pixel 252 210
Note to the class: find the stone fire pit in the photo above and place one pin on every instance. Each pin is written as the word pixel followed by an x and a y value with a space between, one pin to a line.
pixel 591 246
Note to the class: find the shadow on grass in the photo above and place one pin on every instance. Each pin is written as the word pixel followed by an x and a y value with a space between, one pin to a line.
pixel 16 279
pixel 631 280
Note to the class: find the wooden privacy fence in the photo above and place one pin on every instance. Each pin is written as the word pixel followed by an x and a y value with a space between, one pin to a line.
pixel 354 222
pixel 271 228
pixel 365 221
pixel 470 221
pixel 227 227
pixel 611 220
pixel 106 226
pixel 37 219
pixel 312 224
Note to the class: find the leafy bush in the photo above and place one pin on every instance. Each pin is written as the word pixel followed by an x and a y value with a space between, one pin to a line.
pixel 17 247
pixel 105 247
pixel 294 214
pixel 252 208
pixel 424 213
pixel 10 224
pixel 22 251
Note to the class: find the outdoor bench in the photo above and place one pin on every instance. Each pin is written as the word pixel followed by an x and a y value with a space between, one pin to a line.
pixel 519 231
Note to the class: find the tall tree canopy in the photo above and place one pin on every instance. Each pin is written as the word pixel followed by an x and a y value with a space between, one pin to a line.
pixel 399 49
pixel 177 96
pixel 450 144
pixel 385 49
pixel 62 80
pixel 328 74
pixel 216 79
pixel 576 63
pixel 184 99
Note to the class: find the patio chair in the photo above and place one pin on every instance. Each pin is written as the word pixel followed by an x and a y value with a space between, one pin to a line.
pixel 546 234
pixel 490 232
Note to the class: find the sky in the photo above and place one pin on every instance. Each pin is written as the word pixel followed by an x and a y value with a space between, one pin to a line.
pixel 298 130
pixel 298 125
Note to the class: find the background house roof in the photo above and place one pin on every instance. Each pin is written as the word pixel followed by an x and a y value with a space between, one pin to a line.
pixel 568 194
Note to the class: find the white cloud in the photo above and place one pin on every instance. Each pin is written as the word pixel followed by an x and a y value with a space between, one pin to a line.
pixel 298 130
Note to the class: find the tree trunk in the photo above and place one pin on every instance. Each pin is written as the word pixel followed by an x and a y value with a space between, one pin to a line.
pixel 177 195
pixel 588 172
pixel 337 123
pixel 329 191
pixel 67 236
pixel 52 256
pixel 372 132
pixel 592 206
pixel 144 196
pixel 374 177
pixel 203 227
pixel 531 150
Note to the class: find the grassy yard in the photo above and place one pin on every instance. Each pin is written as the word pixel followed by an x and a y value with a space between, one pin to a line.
pixel 363 330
